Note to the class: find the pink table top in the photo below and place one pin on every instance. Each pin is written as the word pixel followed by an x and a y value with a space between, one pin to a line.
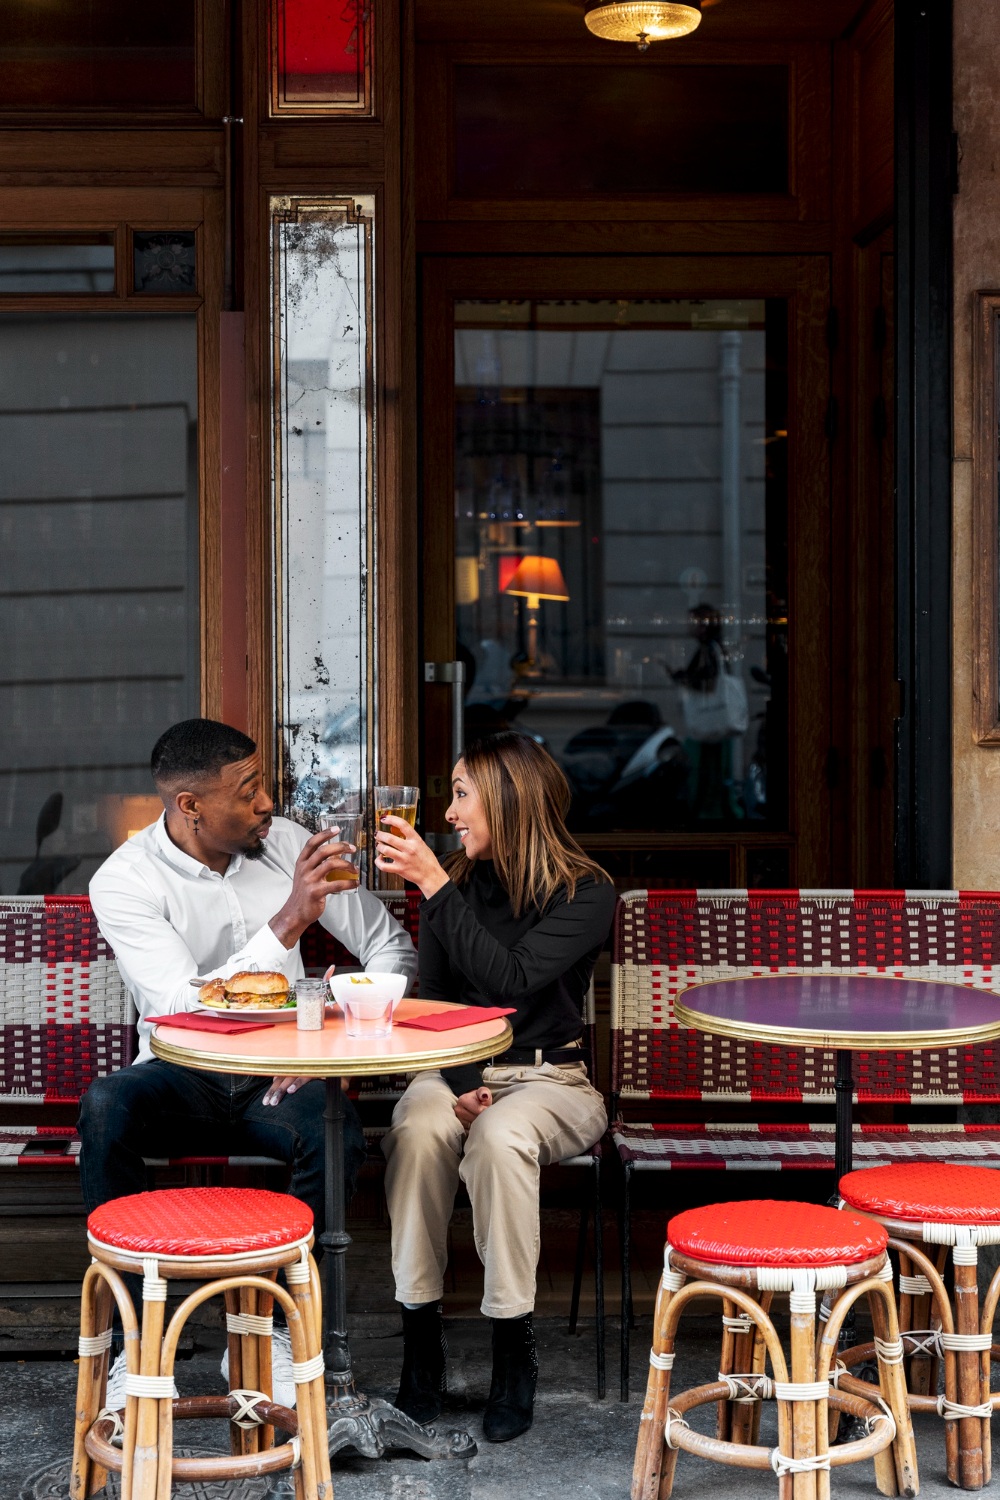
pixel 849 1011
pixel 283 1049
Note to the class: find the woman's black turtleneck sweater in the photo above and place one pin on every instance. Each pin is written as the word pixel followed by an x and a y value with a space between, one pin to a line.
pixel 473 949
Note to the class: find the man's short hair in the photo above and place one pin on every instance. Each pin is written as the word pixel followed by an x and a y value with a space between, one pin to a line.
pixel 197 750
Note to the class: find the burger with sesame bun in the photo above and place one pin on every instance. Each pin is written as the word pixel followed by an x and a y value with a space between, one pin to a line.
pixel 248 990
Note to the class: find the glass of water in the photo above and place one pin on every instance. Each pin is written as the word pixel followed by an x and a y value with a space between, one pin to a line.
pixel 368 1016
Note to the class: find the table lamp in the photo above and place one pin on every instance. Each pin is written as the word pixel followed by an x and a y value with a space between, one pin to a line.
pixel 537 578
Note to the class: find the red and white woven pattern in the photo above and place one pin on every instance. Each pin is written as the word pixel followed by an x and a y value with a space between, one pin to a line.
pixel 319 949
pixel 795 1148
pixel 665 941
pixel 14 1139
pixel 64 1011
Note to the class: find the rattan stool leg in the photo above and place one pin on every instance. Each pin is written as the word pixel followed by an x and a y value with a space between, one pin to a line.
pixel 265 1309
pixel 651 1458
pixel 892 1382
pixel 944 1318
pixel 804 1413
pixel 302 1351
pixel 970 1429
pixel 987 1314
pixel 95 1320
pixel 147 1453
pixel 832 1414
pixel 758 1364
pixel 236 1381
pixel 915 1312
pixel 745 1422
pixel 728 1357
pixel 311 1395
pixel 249 1361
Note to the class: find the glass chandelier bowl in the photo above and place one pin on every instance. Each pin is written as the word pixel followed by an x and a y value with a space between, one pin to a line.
pixel 643 21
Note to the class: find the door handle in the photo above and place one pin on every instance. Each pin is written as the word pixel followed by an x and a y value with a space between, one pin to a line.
pixel 452 672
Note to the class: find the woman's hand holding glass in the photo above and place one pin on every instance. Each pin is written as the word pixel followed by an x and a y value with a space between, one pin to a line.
pixel 401 851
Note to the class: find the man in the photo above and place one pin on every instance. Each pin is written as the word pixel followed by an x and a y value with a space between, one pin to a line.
pixel 218 885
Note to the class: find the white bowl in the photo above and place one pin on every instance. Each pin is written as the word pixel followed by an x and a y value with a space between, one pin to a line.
pixel 382 986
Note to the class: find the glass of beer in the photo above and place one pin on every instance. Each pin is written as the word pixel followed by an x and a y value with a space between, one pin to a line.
pixel 351 826
pixel 396 802
pixel 399 801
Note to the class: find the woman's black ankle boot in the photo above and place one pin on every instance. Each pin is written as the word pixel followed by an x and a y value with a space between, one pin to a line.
pixel 422 1381
pixel 510 1409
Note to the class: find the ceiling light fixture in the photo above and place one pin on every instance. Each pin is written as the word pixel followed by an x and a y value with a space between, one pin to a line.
pixel 642 21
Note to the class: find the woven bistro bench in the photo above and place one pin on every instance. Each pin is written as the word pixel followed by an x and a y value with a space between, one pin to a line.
pixel 66 1018
pixel 665 941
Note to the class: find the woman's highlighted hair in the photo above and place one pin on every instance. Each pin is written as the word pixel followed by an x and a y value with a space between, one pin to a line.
pixel 525 797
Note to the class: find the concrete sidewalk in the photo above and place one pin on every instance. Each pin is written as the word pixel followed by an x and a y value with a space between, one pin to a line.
pixel 578 1448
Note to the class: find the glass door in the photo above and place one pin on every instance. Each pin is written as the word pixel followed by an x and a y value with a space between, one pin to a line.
pixel 620 554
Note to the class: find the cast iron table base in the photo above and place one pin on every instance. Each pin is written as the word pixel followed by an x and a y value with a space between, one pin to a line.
pixel 368 1425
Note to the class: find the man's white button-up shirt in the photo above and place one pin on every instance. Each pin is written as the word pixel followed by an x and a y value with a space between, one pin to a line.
pixel 169 919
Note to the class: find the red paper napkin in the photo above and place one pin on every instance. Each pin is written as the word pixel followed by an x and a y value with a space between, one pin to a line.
pixel 450 1020
pixel 224 1025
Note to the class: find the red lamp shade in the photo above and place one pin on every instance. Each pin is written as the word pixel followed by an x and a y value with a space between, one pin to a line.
pixel 538 578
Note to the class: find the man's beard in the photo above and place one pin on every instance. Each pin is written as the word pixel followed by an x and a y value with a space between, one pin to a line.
pixel 257 850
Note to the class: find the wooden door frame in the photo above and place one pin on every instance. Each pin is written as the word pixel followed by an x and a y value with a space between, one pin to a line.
pixel 805 282
pixel 291 155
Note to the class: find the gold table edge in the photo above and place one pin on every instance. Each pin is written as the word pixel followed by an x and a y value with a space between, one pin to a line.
pixel 311 1067
pixel 856 1041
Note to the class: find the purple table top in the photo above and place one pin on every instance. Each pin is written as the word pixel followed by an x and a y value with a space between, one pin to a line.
pixel 842 1010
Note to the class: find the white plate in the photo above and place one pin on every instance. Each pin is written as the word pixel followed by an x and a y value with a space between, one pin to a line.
pixel 245 1013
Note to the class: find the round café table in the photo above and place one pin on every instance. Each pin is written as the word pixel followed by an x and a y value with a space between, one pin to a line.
pixel 843 1013
pixel 368 1425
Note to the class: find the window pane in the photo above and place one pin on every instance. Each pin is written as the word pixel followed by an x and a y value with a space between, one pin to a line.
pixel 579 129
pixel 98 579
pixel 106 54
pixel 321 56
pixel 164 262
pixel 621 550
pixel 323 336
pixel 57 263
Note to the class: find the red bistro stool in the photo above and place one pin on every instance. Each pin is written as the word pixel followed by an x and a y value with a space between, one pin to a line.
pixel 744 1253
pixel 940 1207
pixel 235 1240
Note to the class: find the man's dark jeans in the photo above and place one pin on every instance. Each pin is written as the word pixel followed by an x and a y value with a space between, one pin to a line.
pixel 158 1109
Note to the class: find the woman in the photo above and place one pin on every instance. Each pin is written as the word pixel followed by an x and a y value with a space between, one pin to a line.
pixel 517 918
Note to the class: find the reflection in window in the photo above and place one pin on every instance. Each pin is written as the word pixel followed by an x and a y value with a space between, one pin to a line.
pixel 321 56
pixel 76 263
pixel 323 385
pixel 102 55
pixel 98 581
pixel 621 550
